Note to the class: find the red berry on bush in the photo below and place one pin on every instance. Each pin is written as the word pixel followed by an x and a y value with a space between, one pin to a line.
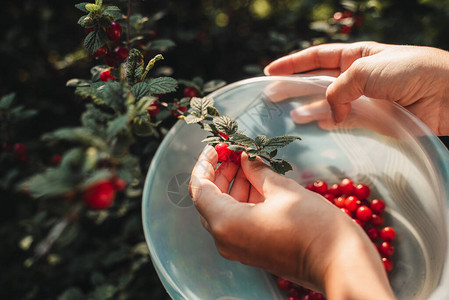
pixel 223 151
pixel 190 92
pixel 179 109
pixel 388 264
pixel 101 52
pixel 347 186
pixel 283 284
pixel 121 52
pixel 106 75
pixel 362 191
pixel 112 60
pixel 114 31
pixel 56 159
pixel 153 109
pixel 21 152
pixel 345 29
pixel 223 135
pixel 363 213
pixel 119 183
pixel 386 249
pixel 99 195
pixel 236 157
pixel 320 187
pixel 338 16
pixel 377 205
pixel 388 234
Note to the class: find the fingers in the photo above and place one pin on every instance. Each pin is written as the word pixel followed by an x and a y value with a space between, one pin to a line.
pixel 241 187
pixel 315 111
pixel 224 175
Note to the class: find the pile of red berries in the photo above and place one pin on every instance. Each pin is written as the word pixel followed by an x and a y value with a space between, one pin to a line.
pixel 352 199
pixel 225 154
pixel 112 54
pixel 101 194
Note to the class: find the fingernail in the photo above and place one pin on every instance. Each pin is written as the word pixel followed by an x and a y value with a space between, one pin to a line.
pixel 207 151
pixel 265 71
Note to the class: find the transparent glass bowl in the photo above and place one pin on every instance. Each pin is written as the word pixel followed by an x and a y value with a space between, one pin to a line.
pixel 380 144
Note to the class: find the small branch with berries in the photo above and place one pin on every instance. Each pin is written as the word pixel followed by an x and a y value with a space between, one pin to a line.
pixel 230 142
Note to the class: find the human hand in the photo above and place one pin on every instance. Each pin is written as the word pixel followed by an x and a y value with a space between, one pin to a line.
pixel 269 221
pixel 413 76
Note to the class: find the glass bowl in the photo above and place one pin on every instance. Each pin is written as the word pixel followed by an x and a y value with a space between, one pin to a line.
pixel 380 144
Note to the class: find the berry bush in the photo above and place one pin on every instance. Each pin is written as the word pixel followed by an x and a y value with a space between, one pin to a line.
pixel 89 91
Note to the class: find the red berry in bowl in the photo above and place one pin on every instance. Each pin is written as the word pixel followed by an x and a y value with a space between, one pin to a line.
pixel 352 203
pixel 315 296
pixel 99 195
pixel 330 197
pixel 386 249
pixel 283 284
pixel 377 220
pixel 362 191
pixel 388 264
pixel 340 202
pixel 373 233
pixel 335 189
pixel 388 234
pixel 347 186
pixel 320 187
pixel 223 151
pixel 190 92
pixel 114 31
pixel 363 213
pixel 377 205
pixel 346 211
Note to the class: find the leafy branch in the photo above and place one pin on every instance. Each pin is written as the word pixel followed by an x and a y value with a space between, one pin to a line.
pixel 224 129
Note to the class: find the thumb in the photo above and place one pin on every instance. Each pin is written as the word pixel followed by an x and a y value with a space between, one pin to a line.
pixel 346 88
pixel 262 177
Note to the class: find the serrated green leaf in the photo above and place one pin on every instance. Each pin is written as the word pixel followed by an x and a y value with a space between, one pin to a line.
pixel 160 45
pixel 140 90
pixel 273 153
pixel 192 119
pixel 82 6
pixel 52 182
pixel 78 135
pixel 200 105
pixel 184 102
pixel 242 139
pixel 225 124
pixel 113 12
pixel 114 95
pixel 252 153
pixel 134 68
pixel 212 111
pixel 280 166
pixel 95 40
pixel 210 128
pixel 260 140
pixel 162 85
pixel 104 292
pixel 92 7
pixel 6 101
pixel 212 140
pixel 116 126
pixel 236 148
pixel 76 82
pixel 279 142
pixel 213 85
pixel 142 129
pixel 73 293
pixel 143 105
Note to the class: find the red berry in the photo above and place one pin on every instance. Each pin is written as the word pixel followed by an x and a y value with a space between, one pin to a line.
pixel 388 234
pixel 335 189
pixel 358 21
pixel 190 92
pixel 363 213
pixel 179 109
pixel 340 202
pixel 320 187
pixel 359 222
pixel 119 183
pixel 330 197
pixel 236 157
pixel 112 60
pixel 56 159
pixel 315 295
pixel 377 205
pixel 223 135
pixel 99 195
pixel 153 109
pixel 338 16
pixel 352 203
pixel 345 29
pixel 223 151
pixel 293 292
pixel 345 210
pixel 377 220
pixel 20 148
pixel 114 31
pixel 101 52
pixel 89 30
pixel 347 186
pixel 373 233
pixel 121 52
pixel 362 191
pixel 310 187
pixel 106 75
pixel 347 14
pixel 386 249
pixel 283 284
pixel 388 264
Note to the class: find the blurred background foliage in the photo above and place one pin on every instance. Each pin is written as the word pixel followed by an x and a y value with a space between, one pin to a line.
pixel 99 257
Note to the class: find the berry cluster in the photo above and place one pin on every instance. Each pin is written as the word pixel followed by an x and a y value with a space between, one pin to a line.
pixel 353 200
pixel 20 150
pixel 176 109
pixel 101 194
pixel 113 53
pixel 225 154
pixel 346 21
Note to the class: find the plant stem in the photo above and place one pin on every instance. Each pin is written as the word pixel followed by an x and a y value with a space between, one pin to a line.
pixel 127 21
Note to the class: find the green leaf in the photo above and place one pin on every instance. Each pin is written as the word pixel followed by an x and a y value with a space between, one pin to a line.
pixel 273 153
pixel 72 293
pixel 200 105
pixel 212 140
pixel 160 45
pixel 260 140
pixel 242 139
pixel 140 90
pixel 82 6
pixel 280 166
pixel 95 40
pixel 236 148
pixel 92 7
pixel 211 110
pixel 213 85
pixel 117 125
pixel 52 182
pixel 225 124
pixel 279 142
pixel 192 119
pixel 6 101
pixel 104 292
pixel 113 12
pixel 75 82
pixel 114 94
pixel 252 153
pixel 134 68
pixel 162 85
pixel 142 129
pixel 78 135
pixel 210 128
